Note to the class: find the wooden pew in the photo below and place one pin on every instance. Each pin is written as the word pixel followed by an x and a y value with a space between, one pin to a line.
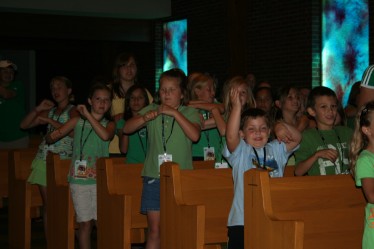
pixel 302 212
pixel 60 222
pixel 4 162
pixel 195 205
pixel 119 188
pixel 23 197
pixel 289 171
pixel 203 164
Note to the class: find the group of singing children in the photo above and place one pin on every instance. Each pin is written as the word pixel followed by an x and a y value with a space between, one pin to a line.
pixel 171 127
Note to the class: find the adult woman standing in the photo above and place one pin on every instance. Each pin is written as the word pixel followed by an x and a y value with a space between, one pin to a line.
pixel 12 108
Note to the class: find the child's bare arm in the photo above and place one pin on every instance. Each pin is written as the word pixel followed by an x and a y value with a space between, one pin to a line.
pixel 105 133
pixel 368 187
pixel 138 121
pixel 206 106
pixel 32 118
pixel 303 167
pixel 216 121
pixel 192 130
pixel 233 123
pixel 61 132
pixel 288 134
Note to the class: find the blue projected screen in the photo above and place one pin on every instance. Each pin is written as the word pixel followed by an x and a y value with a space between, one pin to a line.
pixel 175 45
pixel 345 44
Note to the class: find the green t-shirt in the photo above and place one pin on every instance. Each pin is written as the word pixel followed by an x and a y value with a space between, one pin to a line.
pixel 177 143
pixel 365 169
pixel 314 140
pixel 90 147
pixel 12 111
pixel 137 147
pixel 208 138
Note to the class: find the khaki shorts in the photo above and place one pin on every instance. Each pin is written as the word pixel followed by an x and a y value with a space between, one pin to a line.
pixel 85 201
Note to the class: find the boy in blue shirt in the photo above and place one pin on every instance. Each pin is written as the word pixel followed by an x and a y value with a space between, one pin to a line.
pixel 247 147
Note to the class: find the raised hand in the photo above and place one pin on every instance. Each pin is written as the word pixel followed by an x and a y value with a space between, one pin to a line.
pixel 235 97
pixel 82 109
pixel 45 105
pixel 168 110
pixel 150 115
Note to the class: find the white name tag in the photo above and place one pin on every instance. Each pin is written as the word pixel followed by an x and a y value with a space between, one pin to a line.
pixel 222 165
pixel 80 169
pixel 209 154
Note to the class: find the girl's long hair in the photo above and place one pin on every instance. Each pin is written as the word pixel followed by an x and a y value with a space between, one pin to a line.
pixel 359 140
pixel 122 59
pixel 128 112
pixel 235 82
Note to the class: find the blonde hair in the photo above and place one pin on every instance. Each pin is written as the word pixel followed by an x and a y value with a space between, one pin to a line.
pixel 198 81
pixel 230 84
pixel 359 139
pixel 67 83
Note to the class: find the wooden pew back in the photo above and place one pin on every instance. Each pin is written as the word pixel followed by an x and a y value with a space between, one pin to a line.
pixel 60 234
pixel 4 164
pixel 23 197
pixel 119 188
pixel 194 206
pixel 302 212
pixel 203 164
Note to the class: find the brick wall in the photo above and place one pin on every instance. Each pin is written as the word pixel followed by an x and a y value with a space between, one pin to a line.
pixel 271 39
pixel 279 41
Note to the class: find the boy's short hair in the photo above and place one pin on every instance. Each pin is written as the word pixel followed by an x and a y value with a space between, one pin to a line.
pixel 182 78
pixel 318 92
pixel 253 113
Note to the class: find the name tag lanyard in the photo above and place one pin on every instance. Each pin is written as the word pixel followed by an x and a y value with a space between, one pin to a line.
pixel 50 127
pixel 164 141
pixel 258 159
pixel 141 141
pixel 206 133
pixel 83 143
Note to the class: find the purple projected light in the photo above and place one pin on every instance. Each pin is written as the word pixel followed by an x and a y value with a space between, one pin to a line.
pixel 175 45
pixel 345 44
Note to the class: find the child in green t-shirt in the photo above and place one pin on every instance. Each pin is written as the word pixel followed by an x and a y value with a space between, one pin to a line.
pixel 133 145
pixel 324 149
pixel 92 134
pixel 171 129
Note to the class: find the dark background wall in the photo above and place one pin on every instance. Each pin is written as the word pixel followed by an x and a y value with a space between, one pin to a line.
pixel 80 48
pixel 277 41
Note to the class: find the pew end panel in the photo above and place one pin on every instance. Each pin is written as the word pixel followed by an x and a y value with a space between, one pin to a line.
pixel 206 195
pixel 60 222
pixel 4 172
pixel 326 211
pixel 24 198
pixel 119 188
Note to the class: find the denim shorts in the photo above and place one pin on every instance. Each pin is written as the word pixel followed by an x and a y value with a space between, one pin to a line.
pixel 150 195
